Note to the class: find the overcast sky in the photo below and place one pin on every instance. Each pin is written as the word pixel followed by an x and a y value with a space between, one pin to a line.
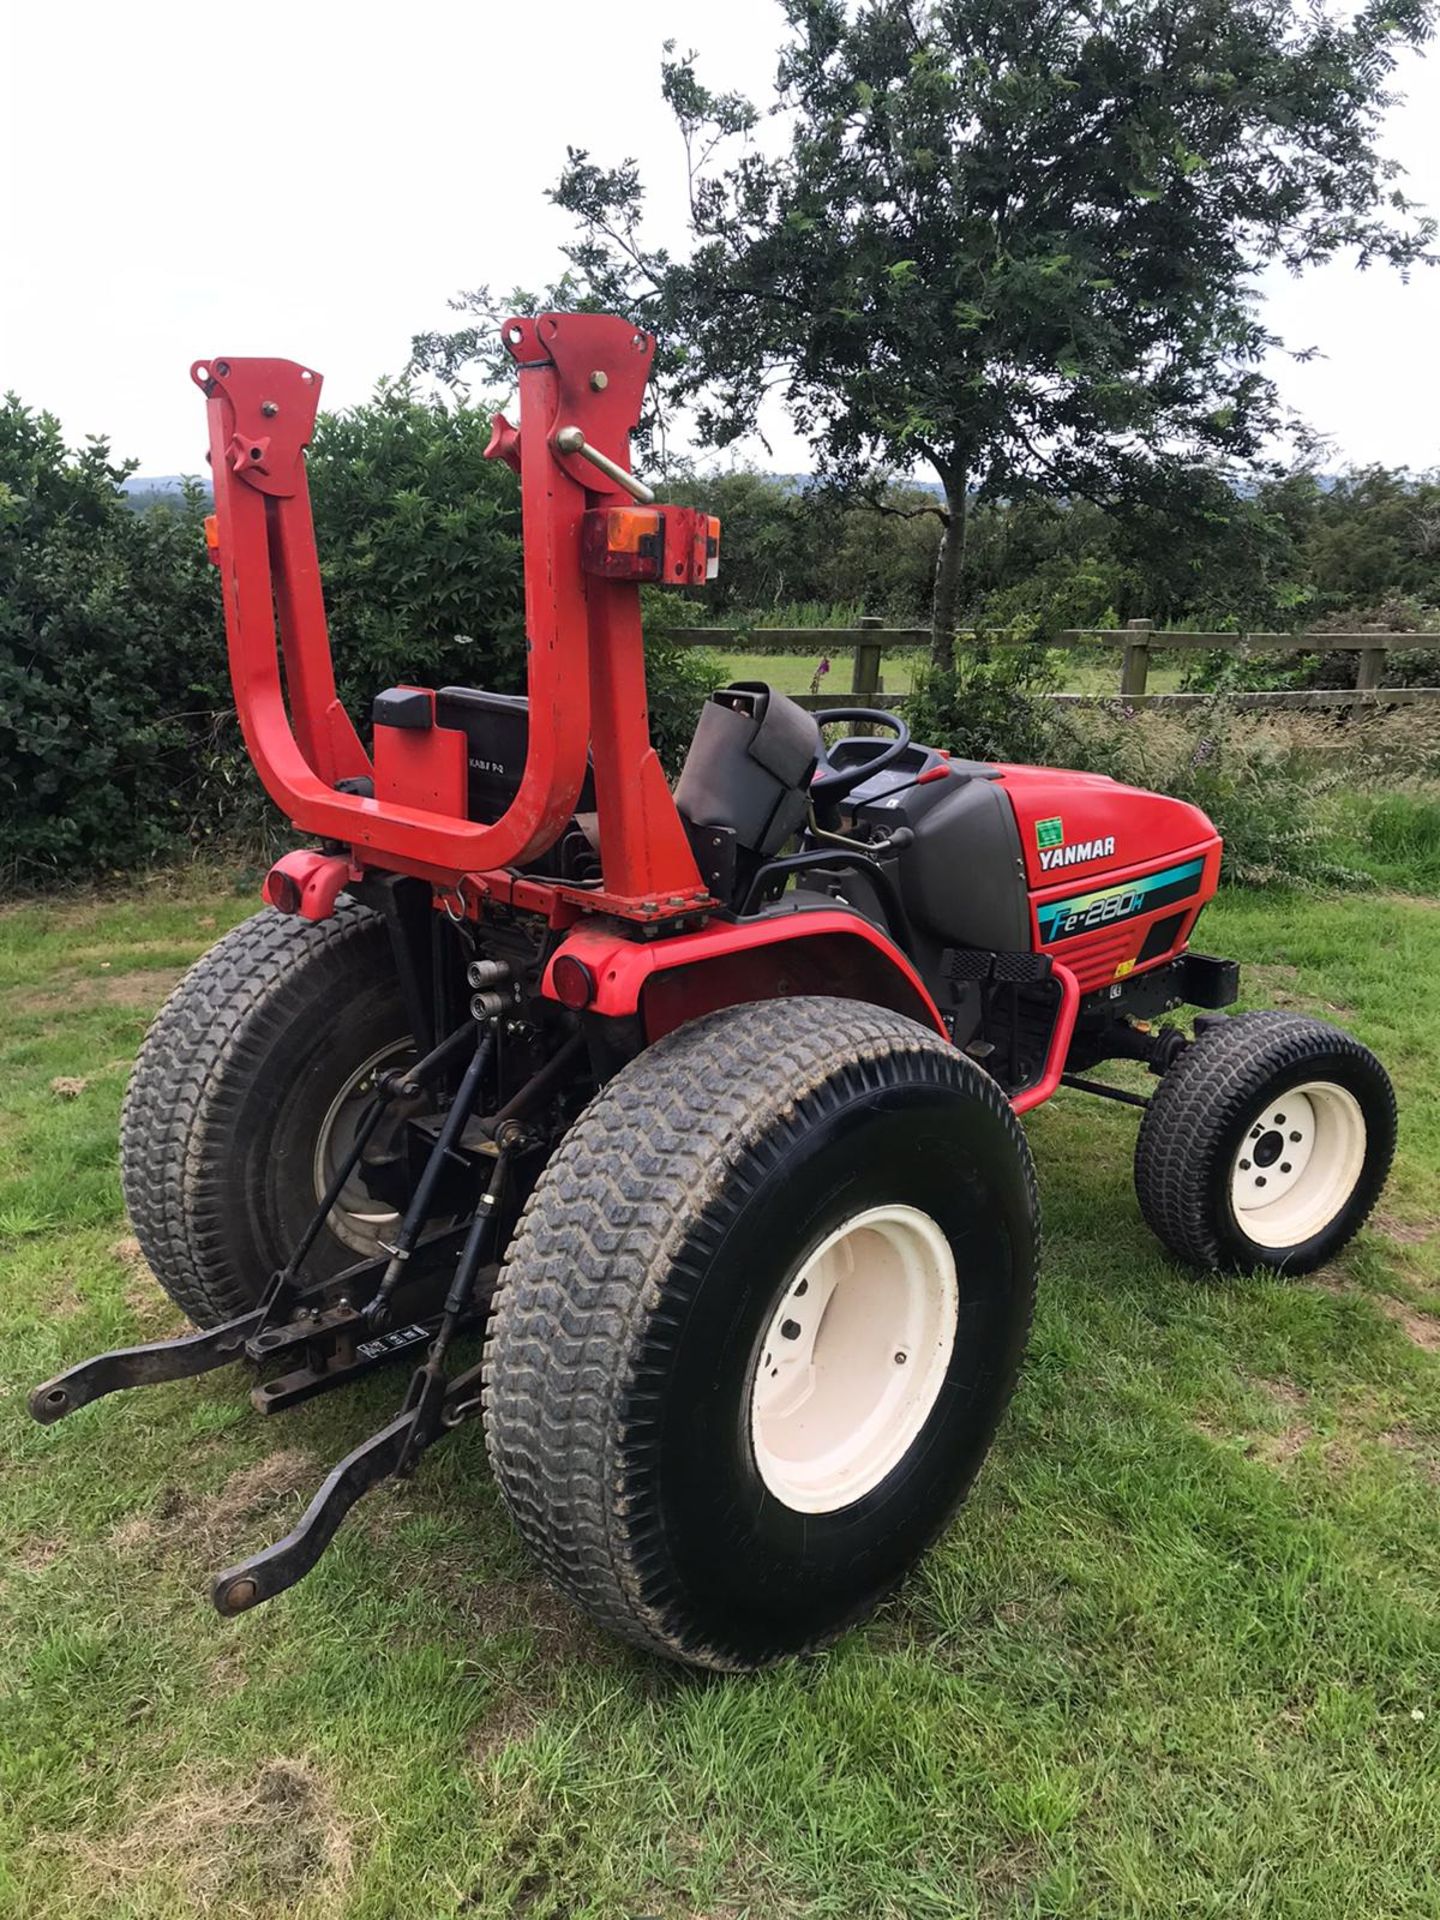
pixel 313 180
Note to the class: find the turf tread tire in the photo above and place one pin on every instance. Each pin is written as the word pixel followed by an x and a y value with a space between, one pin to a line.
pixel 238 1003
pixel 598 1254
pixel 1213 1086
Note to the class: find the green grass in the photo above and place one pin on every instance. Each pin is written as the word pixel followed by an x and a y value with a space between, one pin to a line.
pixel 794 672
pixel 1394 837
pixel 1179 1656
pixel 1078 670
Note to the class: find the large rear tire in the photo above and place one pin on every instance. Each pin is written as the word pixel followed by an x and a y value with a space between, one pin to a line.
pixel 760 1320
pixel 240 1100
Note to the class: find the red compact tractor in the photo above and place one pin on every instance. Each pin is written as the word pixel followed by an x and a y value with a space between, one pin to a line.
pixel 702 1106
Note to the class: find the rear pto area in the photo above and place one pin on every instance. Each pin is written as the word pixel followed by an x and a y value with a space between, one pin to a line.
pixel 702 1107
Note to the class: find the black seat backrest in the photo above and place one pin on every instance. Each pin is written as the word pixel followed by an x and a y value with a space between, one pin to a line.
pixel 749 766
pixel 497 731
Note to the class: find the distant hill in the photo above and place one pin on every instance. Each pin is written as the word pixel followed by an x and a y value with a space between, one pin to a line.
pixel 155 489
pixel 158 489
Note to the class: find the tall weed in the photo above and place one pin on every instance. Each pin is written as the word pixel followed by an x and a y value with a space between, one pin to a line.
pixel 1265 796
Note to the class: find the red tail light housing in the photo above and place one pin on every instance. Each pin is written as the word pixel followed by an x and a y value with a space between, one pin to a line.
pixel 671 546
pixel 573 983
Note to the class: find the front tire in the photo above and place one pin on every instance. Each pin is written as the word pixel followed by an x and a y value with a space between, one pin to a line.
pixel 814 1176
pixel 1266 1145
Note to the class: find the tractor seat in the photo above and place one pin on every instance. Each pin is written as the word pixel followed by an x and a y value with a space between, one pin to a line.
pixel 497 733
pixel 496 727
pixel 749 766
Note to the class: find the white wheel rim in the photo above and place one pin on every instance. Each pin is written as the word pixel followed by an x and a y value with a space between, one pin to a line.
pixel 853 1358
pixel 1298 1164
pixel 358 1219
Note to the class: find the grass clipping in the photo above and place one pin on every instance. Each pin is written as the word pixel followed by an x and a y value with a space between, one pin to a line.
pixel 272 1845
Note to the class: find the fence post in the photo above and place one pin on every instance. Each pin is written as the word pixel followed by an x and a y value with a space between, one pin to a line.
pixel 866 681
pixel 1370 670
pixel 1135 661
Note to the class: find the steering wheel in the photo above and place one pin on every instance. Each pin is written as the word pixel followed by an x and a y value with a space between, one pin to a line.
pixel 831 784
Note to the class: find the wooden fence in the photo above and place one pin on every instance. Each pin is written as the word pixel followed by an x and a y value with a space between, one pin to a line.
pixel 1136 643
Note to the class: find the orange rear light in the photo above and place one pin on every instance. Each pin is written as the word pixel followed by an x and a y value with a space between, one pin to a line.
pixel 631 529
pixel 623 543
pixel 675 546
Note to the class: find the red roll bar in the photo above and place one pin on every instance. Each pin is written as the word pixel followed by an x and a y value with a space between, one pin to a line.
pixel 582 378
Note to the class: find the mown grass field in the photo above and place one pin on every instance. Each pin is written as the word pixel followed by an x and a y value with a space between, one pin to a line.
pixel 1180 1655
pixel 1076 671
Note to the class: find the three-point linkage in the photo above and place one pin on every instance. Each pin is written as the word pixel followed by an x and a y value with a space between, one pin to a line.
pixel 428 1286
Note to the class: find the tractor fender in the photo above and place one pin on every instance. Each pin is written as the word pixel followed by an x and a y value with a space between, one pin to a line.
pixel 812 951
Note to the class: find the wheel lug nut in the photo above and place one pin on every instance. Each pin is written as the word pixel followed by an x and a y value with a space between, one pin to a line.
pixel 1259 1179
pixel 1255 1133
pixel 790 1329
pixel 1295 1138
pixel 1244 1166
pixel 900 1359
pixel 1284 1166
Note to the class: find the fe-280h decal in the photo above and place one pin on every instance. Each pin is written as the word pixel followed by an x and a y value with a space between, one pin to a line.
pixel 1065 919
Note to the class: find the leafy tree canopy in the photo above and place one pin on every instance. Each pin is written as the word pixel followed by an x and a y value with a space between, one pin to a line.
pixel 99 729
pixel 1015 243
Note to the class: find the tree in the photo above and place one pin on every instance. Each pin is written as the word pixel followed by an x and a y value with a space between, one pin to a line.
pixel 1376 534
pixel 1017 244
pixel 768 546
pixel 110 657
pixel 419 542
pixel 420 550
